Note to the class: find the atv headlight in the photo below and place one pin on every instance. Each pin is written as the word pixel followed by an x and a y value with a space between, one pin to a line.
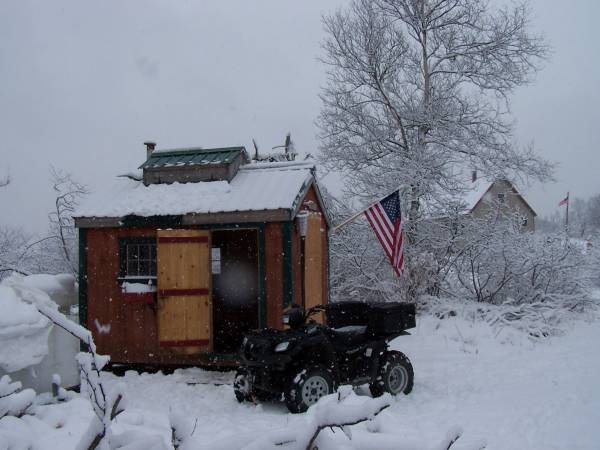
pixel 282 347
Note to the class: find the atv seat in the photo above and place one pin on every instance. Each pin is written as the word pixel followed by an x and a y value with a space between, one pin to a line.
pixel 349 336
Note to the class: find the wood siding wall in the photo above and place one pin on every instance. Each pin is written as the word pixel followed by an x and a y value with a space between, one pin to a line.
pixel 133 330
pixel 274 273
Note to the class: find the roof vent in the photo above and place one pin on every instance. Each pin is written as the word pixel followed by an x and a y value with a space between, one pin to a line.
pixel 191 165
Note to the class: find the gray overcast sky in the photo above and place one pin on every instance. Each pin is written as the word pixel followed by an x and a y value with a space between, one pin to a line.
pixel 84 83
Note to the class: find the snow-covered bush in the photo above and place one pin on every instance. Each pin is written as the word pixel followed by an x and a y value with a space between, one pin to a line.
pixel 497 263
pixel 533 280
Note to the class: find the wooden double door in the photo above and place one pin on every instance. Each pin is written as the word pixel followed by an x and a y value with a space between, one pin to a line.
pixel 207 286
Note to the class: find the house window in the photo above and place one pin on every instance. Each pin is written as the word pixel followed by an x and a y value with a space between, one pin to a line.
pixel 501 197
pixel 524 221
pixel 137 257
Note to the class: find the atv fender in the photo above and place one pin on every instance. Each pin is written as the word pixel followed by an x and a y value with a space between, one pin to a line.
pixel 318 353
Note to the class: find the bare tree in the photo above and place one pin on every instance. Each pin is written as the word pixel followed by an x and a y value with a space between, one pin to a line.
pixel 14 255
pixel 418 95
pixel 68 193
pixel 54 252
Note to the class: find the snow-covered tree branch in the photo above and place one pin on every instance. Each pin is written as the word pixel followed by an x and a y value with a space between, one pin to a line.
pixel 106 405
pixel 54 252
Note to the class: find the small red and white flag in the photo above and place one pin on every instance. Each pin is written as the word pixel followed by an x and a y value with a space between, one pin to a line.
pixel 564 201
pixel 385 218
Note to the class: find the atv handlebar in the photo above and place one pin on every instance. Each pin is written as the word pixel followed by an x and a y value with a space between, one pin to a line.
pixel 297 317
pixel 314 310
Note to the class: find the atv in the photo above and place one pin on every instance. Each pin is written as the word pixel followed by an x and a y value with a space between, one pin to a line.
pixel 309 360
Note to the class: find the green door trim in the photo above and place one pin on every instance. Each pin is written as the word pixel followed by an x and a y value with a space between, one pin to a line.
pixel 288 272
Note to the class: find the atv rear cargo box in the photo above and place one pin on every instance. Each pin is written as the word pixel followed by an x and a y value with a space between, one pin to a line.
pixel 344 314
pixel 380 318
pixel 390 318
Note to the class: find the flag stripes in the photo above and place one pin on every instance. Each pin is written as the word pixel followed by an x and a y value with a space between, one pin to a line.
pixel 380 232
pixel 386 220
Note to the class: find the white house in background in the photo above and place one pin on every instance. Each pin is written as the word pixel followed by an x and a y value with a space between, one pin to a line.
pixel 502 197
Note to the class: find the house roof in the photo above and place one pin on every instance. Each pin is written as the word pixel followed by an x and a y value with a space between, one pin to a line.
pixel 476 193
pixel 480 190
pixel 257 187
pixel 192 157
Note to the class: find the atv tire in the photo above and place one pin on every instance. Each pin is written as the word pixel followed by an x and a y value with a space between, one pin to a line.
pixel 307 387
pixel 395 375
pixel 242 386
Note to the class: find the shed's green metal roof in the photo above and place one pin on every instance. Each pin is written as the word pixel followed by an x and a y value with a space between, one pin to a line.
pixel 192 157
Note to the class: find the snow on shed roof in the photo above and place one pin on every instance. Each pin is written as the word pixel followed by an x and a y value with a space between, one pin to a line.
pixel 256 187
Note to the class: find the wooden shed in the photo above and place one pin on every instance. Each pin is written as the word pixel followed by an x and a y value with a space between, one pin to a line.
pixel 179 260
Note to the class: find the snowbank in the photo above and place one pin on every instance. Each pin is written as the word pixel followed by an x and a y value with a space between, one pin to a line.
pixel 23 330
pixel 60 288
pixel 31 349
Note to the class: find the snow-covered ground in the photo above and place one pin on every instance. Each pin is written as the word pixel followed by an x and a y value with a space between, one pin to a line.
pixel 500 388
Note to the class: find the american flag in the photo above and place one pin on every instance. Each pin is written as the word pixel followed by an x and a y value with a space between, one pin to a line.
pixel 385 218
pixel 564 201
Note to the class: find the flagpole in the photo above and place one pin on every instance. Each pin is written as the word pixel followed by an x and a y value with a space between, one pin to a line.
pixel 567 217
pixel 347 221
